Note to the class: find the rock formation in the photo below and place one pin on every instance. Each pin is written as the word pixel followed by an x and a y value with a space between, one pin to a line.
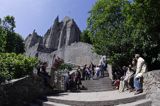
pixel 62 39
pixel 59 35
pixel 32 39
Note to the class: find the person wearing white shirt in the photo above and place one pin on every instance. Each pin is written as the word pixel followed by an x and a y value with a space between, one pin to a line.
pixel 102 64
pixel 141 68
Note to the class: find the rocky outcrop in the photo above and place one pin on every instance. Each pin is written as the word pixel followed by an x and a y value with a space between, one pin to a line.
pixel 59 35
pixel 62 39
pixel 77 54
pixel 152 86
pixel 32 40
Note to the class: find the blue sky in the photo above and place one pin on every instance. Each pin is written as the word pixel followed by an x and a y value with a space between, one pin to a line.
pixel 40 14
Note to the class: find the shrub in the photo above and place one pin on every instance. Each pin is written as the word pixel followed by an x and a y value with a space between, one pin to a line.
pixel 15 66
pixel 66 66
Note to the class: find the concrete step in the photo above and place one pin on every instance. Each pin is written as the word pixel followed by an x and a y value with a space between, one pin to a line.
pixel 109 98
pixel 100 90
pixel 101 84
pixel 143 102
pixel 53 104
pixel 99 87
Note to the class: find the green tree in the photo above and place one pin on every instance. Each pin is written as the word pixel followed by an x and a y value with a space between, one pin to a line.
pixel 120 28
pixel 14 42
pixel 19 45
pixel 144 23
pixel 85 37
pixel 106 30
pixel 2 37
pixel 9 23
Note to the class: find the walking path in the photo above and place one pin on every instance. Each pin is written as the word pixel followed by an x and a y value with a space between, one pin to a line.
pixel 99 93
pixel 92 96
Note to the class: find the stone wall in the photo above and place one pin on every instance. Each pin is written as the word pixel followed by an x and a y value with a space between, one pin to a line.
pixel 20 92
pixel 152 86
pixel 77 54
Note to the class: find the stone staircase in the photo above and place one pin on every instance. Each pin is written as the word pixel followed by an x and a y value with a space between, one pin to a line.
pixel 99 92
pixel 97 85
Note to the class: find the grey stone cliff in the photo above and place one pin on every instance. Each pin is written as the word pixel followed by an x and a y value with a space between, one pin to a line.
pixel 59 35
pixel 32 40
pixel 62 39
pixel 77 54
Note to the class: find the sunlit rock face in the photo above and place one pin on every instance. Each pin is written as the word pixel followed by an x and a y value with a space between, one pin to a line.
pixel 32 40
pixel 61 39
pixel 59 35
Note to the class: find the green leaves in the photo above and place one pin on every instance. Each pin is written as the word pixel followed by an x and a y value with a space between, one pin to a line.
pixel 15 66
pixel 9 23
pixel 120 28
pixel 85 37
pixel 9 40
pixel 2 39
pixel 66 66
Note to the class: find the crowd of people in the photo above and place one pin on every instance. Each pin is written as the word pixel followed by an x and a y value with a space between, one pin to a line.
pixel 126 78
pixel 73 81
pixel 131 77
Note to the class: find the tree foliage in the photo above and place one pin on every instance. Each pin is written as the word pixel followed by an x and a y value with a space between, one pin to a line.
pixel 10 41
pixel 121 28
pixel 9 23
pixel 15 66
pixel 2 38
pixel 64 66
pixel 85 37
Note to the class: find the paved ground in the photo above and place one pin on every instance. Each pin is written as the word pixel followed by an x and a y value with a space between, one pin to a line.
pixel 93 96
pixel 99 93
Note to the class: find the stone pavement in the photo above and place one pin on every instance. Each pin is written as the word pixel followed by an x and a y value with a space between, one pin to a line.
pixel 99 93
pixel 104 98
pixel 93 96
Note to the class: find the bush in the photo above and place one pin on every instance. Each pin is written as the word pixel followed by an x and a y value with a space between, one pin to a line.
pixel 15 66
pixel 66 66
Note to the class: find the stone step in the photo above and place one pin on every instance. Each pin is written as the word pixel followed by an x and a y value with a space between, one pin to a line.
pixel 143 102
pixel 99 87
pixel 53 104
pixel 96 83
pixel 100 90
pixel 92 85
pixel 101 84
pixel 107 98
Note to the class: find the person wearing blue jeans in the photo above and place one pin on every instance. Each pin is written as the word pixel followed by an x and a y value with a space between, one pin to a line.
pixel 103 65
pixel 138 84
pixel 141 68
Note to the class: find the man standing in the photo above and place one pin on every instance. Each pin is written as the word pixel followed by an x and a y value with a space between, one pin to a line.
pixel 103 65
pixel 138 78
